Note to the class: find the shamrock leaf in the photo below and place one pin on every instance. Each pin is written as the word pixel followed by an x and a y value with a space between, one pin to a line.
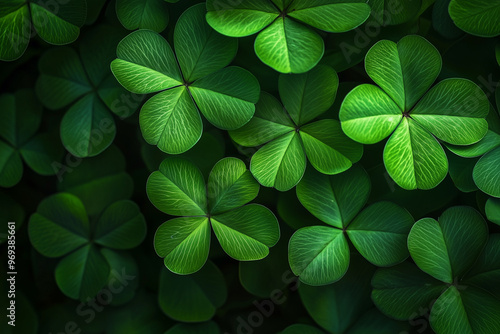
pixel 61 228
pixel 476 17
pixel 245 232
pixel 84 82
pixel 320 255
pixel 463 264
pixel 484 157
pixel 453 111
pixel 56 24
pixel 143 14
pixel 22 115
pixel 195 297
pixel 226 96
pixel 286 41
pixel 288 137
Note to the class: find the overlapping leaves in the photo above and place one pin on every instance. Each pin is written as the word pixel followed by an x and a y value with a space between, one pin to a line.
pixel 61 228
pixel 84 82
pixel 171 119
pixel 483 158
pixel 286 41
pixel 21 118
pixel 453 111
pixel 56 23
pixel 320 255
pixel 289 137
pixel 245 232
pixel 457 266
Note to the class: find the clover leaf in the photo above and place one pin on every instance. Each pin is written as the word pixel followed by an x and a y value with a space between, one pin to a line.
pixel 320 255
pixel 56 24
pixel 453 111
pixel 22 115
pixel 143 14
pixel 288 137
pixel 476 17
pixel 195 297
pixel 245 232
pixel 483 157
pixel 226 96
pixel 457 266
pixel 84 82
pixel 286 42
pixel 61 228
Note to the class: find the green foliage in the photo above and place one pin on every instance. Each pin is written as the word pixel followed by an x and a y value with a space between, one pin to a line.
pixel 453 111
pixel 462 263
pixel 178 188
pixel 86 266
pixel 57 24
pixel 19 140
pixel 86 84
pixel 147 64
pixel 289 136
pixel 357 118
pixel 476 17
pixel 286 42
pixel 320 255
pixel 192 298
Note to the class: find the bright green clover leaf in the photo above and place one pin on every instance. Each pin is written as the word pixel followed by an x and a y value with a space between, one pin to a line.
pixel 464 267
pixel 286 41
pixel 476 17
pixel 56 24
pixel 486 171
pixel 171 120
pixel 288 137
pixel 453 111
pixel 143 14
pixel 195 297
pixel 85 83
pixel 98 181
pixel 320 255
pixel 245 232
pixel 21 117
pixel 61 228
